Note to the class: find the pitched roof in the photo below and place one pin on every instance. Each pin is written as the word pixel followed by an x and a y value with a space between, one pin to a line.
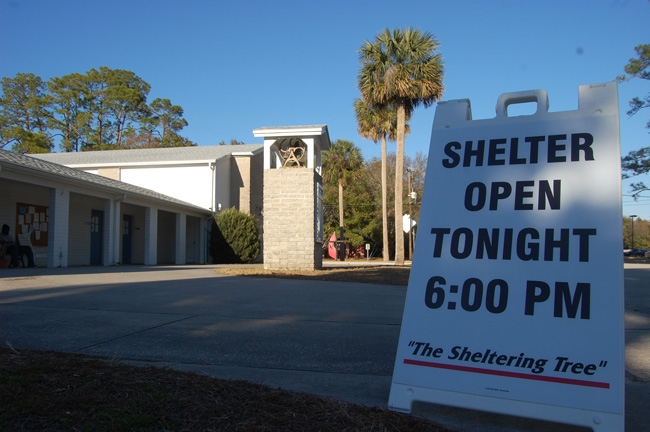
pixel 42 168
pixel 168 154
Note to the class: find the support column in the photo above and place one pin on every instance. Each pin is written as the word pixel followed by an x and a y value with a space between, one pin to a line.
pixel 151 236
pixel 310 151
pixel 181 239
pixel 57 236
pixel 203 240
pixel 108 242
pixel 116 234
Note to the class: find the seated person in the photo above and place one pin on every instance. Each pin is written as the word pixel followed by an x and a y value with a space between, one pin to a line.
pixel 15 250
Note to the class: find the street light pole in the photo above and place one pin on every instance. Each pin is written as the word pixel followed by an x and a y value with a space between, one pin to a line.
pixel 410 233
pixel 633 216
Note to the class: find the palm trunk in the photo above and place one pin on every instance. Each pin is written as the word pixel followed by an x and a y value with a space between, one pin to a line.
pixel 341 249
pixel 340 204
pixel 399 177
pixel 384 199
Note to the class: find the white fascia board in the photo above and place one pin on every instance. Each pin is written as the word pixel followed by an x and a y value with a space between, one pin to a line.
pixel 244 153
pixel 316 130
pixel 248 153
pixel 320 132
pixel 145 164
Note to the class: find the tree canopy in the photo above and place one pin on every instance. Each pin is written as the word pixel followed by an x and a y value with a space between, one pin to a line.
pixel 640 239
pixel 400 68
pixel 379 123
pixel 103 109
pixel 25 113
pixel 637 162
pixel 342 164
pixel 362 199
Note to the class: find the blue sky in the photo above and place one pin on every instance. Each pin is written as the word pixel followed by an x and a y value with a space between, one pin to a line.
pixel 235 66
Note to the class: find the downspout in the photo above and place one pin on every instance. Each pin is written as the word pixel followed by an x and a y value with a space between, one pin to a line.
pixel 208 228
pixel 213 167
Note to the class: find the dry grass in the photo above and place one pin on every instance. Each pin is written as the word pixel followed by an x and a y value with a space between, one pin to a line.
pixel 375 274
pixel 49 391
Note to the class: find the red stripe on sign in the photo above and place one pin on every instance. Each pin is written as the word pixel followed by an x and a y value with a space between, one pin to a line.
pixel 508 374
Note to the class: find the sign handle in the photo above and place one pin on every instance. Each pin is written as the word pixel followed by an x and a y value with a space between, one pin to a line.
pixel 507 99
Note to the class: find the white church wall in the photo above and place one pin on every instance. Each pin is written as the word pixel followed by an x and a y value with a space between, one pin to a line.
pixel 192 184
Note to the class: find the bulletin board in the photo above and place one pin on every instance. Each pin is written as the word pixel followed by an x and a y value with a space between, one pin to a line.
pixel 32 220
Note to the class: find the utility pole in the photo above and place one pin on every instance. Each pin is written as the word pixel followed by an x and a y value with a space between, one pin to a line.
pixel 410 233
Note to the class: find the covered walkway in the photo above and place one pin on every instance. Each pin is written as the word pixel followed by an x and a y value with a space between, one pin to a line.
pixel 74 218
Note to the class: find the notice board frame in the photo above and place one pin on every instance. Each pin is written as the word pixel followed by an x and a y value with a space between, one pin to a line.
pixel 32 221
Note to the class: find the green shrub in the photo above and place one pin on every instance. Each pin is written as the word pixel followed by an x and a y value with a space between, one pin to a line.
pixel 234 238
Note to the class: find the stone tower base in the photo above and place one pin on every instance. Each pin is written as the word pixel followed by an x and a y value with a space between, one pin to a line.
pixel 290 212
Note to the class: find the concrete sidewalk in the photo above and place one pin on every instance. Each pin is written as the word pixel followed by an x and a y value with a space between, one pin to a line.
pixel 326 338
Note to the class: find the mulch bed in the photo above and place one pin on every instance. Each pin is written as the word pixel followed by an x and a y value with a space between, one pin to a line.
pixel 50 391
pixel 377 274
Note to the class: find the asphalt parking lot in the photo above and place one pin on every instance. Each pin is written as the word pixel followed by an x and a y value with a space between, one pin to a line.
pixel 327 338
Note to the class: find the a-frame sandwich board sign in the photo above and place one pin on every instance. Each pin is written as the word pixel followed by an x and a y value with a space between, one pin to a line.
pixel 515 299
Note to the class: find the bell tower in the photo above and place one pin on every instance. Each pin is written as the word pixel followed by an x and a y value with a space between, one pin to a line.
pixel 293 196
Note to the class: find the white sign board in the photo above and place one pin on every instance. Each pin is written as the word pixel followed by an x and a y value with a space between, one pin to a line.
pixel 407 223
pixel 515 300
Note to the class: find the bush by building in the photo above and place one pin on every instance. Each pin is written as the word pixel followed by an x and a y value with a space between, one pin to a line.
pixel 234 238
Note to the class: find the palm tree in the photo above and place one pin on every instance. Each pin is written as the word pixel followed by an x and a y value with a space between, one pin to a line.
pixel 401 68
pixel 379 123
pixel 342 163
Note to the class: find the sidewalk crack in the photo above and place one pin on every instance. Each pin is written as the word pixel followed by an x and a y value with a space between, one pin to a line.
pixel 135 333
